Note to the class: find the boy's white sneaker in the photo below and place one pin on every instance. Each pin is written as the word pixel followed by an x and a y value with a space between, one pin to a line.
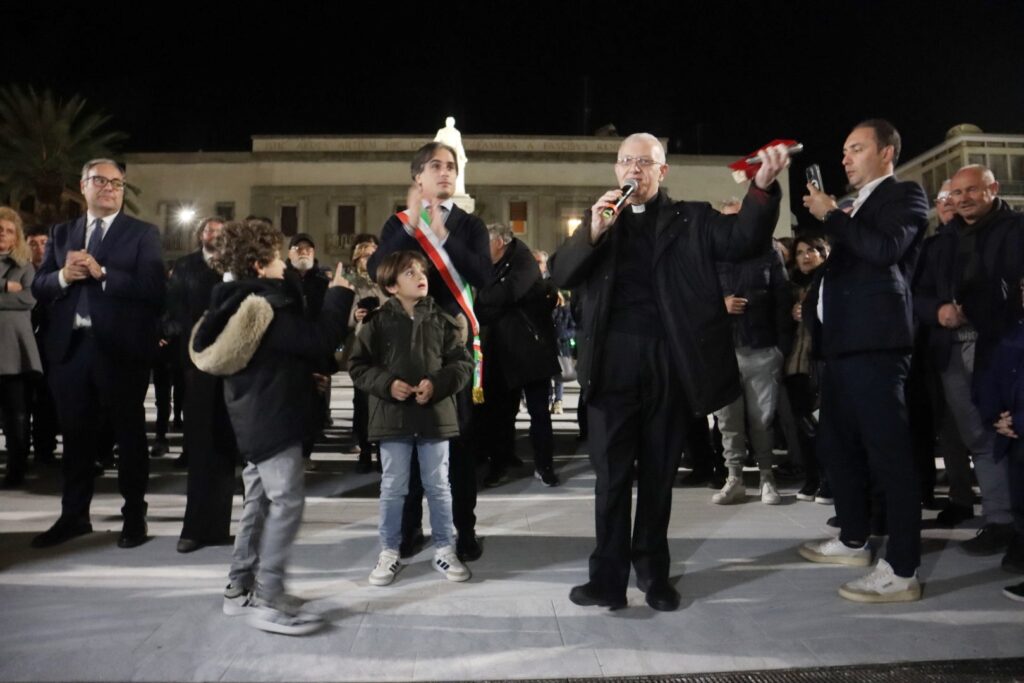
pixel 448 563
pixel 388 566
pixel 732 492
pixel 882 585
pixel 769 490
pixel 834 551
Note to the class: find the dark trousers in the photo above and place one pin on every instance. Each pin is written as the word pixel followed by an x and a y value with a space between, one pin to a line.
pixel 864 442
pixel 494 424
pixel 168 385
pixel 922 385
pixel 14 390
pixel 361 420
pixel 44 419
pixel 1016 469
pixel 461 474
pixel 212 456
pixel 635 417
pixel 802 392
pixel 91 385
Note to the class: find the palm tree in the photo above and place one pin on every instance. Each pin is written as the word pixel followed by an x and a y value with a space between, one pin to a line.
pixel 43 144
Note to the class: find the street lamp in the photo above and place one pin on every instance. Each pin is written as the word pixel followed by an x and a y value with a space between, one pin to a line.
pixel 185 215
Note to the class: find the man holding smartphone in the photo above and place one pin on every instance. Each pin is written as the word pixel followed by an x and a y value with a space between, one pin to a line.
pixel 859 309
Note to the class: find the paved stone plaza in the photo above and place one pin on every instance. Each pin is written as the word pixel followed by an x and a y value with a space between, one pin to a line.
pixel 88 610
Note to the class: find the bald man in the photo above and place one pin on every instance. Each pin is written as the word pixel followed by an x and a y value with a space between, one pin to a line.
pixel 965 294
pixel 655 345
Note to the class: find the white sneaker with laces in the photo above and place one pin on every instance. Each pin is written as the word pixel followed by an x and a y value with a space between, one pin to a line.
pixel 834 551
pixel 448 563
pixel 237 601
pixel 882 585
pixel 388 566
pixel 285 614
pixel 733 492
pixel 769 490
pixel 556 408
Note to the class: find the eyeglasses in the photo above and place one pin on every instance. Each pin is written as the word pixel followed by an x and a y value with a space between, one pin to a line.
pixel 642 162
pixel 101 182
pixel 303 249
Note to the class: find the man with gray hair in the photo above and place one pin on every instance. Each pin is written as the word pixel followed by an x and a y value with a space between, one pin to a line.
pixel 103 279
pixel 655 344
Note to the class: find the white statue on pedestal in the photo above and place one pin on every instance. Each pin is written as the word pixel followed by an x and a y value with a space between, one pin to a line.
pixel 451 136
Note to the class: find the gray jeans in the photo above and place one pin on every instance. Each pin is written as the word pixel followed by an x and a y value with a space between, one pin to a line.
pixel 271 515
pixel 751 415
pixel 993 477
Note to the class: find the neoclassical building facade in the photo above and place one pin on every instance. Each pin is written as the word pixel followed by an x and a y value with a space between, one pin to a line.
pixel 334 187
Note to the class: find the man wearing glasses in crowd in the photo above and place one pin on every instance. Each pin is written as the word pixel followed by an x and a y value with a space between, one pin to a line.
pixel 655 345
pixel 103 281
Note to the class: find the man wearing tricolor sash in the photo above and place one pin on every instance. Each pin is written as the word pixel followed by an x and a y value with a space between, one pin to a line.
pixel 457 246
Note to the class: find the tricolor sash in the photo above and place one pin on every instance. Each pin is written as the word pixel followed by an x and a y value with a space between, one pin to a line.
pixel 461 291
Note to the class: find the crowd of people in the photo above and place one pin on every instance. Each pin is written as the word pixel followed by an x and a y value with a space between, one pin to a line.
pixel 700 345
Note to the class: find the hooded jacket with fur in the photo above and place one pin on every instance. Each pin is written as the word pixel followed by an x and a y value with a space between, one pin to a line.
pixel 256 336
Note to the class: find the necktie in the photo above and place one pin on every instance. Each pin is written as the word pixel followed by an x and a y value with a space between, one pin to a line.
pixel 82 307
pixel 95 238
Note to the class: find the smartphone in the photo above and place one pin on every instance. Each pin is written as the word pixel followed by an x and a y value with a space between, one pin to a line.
pixel 813 174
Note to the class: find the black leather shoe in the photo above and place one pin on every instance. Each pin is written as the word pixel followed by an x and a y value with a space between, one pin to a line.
pixel 953 514
pixel 160 448
pixel 662 597
pixel 697 477
pixel 134 533
pixel 468 547
pixel 189 545
pixel 586 595
pixel 412 544
pixel 62 530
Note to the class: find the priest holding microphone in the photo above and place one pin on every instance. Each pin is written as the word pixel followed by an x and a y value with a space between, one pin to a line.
pixel 655 344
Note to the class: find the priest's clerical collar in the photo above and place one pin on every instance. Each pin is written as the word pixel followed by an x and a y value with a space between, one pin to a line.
pixel 651 203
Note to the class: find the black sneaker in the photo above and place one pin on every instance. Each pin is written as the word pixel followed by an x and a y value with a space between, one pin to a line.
pixel 496 476
pixel 160 448
pixel 953 514
pixel 547 475
pixel 1015 592
pixel 990 539
pixel 1013 560
pixel 468 547
pixel 807 492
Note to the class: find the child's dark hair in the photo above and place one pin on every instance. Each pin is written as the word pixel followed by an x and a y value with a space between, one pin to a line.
pixel 241 244
pixel 395 263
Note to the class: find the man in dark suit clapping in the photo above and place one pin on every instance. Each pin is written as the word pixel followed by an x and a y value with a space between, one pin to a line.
pixel 859 307
pixel 103 279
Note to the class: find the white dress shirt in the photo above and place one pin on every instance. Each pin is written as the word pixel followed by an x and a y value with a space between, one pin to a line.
pixel 862 197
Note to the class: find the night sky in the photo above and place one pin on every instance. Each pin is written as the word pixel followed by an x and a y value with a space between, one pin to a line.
pixel 716 77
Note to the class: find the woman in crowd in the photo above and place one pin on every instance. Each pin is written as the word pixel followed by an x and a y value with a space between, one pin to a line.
pixel 19 356
pixel 800 376
pixel 368 298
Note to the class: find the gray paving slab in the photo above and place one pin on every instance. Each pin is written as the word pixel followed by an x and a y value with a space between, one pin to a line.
pixel 88 610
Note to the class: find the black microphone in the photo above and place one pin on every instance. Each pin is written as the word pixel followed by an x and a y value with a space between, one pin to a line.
pixel 792 149
pixel 627 190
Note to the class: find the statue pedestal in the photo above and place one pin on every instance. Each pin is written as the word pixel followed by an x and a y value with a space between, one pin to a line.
pixel 464 202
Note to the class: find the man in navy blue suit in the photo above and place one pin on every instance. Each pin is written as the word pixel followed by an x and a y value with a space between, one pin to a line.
pixel 859 307
pixel 103 281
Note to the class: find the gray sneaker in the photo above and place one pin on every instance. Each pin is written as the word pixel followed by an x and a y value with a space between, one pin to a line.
pixel 237 601
pixel 284 614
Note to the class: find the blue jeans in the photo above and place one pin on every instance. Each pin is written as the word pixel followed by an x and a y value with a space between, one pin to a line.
pixel 395 458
